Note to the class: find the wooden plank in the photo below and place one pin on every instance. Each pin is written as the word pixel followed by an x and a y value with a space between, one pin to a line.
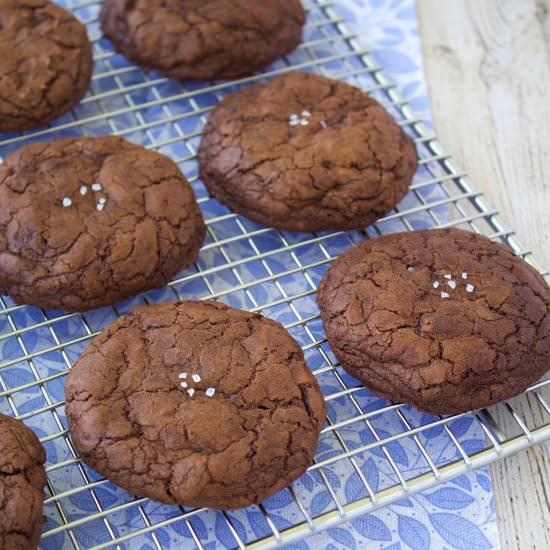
pixel 488 69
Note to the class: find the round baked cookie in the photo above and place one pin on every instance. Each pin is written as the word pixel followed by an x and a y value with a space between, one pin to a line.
pixel 87 222
pixel 195 403
pixel 45 63
pixel 203 39
pixel 306 153
pixel 22 481
pixel 443 319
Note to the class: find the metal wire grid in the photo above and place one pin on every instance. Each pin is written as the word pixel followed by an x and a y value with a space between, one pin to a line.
pixel 260 269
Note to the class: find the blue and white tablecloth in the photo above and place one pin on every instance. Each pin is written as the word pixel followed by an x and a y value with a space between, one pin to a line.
pixel 459 514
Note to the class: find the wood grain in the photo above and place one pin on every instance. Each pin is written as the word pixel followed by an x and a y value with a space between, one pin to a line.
pixel 488 69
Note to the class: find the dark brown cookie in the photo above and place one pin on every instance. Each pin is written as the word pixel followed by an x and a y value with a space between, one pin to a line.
pixel 22 481
pixel 203 39
pixel 195 403
pixel 444 319
pixel 306 153
pixel 87 222
pixel 45 63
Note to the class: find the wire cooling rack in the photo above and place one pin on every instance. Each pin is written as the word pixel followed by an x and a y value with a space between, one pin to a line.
pixel 371 452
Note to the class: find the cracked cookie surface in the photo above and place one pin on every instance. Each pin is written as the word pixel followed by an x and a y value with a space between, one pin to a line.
pixel 203 39
pixel 195 403
pixel 22 481
pixel 45 63
pixel 87 222
pixel 306 153
pixel 444 319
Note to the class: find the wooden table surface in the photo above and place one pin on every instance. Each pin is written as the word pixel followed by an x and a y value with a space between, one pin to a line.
pixel 487 64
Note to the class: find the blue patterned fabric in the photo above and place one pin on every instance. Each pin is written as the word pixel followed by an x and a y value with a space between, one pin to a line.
pixel 459 514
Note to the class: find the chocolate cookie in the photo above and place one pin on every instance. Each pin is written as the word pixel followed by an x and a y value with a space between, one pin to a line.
pixel 87 222
pixel 45 63
pixel 444 319
pixel 195 403
pixel 22 481
pixel 306 153
pixel 203 39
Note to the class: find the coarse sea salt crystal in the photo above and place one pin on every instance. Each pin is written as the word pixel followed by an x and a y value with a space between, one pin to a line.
pixel 100 206
pixel 67 202
pixel 465 275
pixel 452 284
pixel 196 378
pixel 444 295
pixel 183 384
pixel 190 391
pixel 210 392
pixel 447 276
pixel 83 190
pixel 436 284
pixel 183 375
pixel 304 122
pixel 470 288
pixel 96 187
pixel 306 113
pixel 294 122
